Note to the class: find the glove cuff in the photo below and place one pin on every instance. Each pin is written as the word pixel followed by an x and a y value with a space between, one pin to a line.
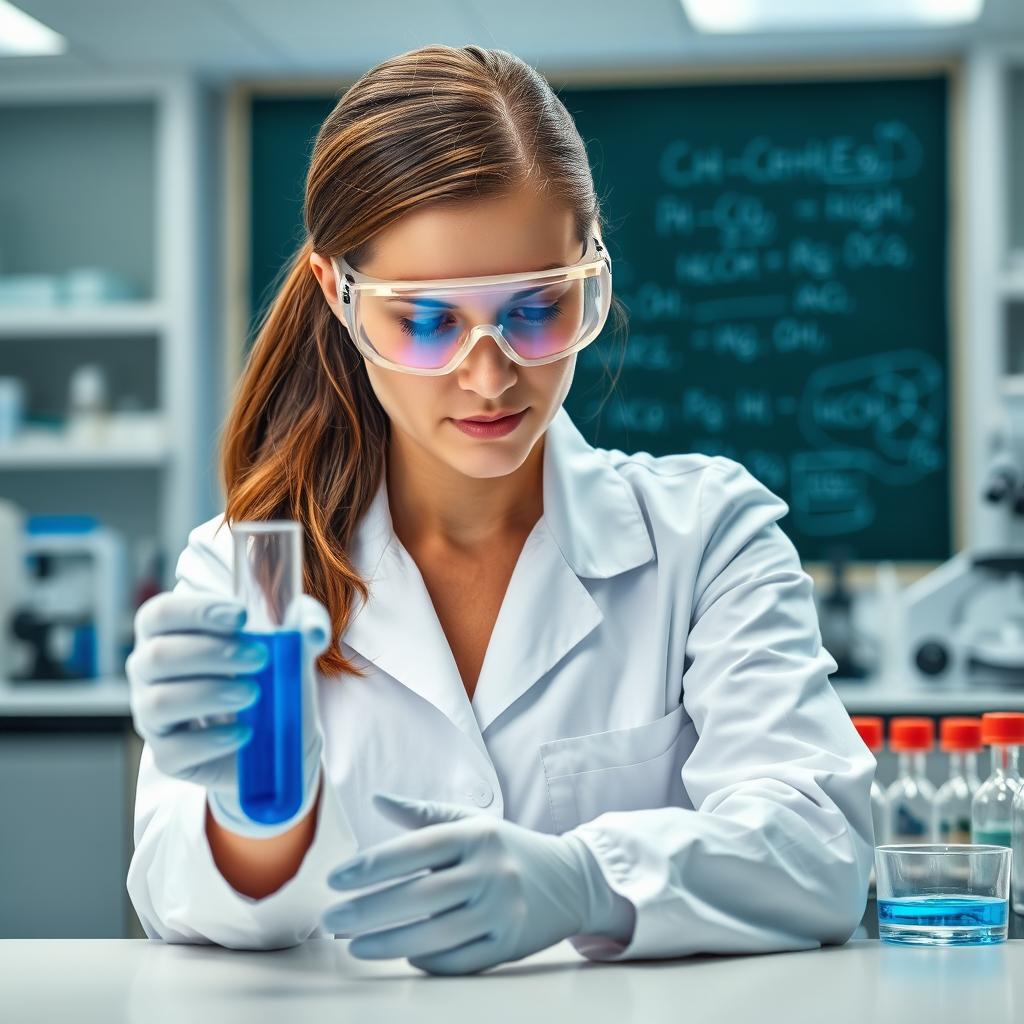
pixel 227 812
pixel 606 912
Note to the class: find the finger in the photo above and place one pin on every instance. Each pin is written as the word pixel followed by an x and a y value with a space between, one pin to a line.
pixel 172 612
pixel 447 931
pixel 220 773
pixel 316 624
pixel 436 846
pixel 475 955
pixel 415 813
pixel 183 655
pixel 422 896
pixel 163 706
pixel 180 751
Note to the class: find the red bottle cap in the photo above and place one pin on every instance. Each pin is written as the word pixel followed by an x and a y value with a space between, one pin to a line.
pixel 911 733
pixel 1002 727
pixel 870 729
pixel 960 734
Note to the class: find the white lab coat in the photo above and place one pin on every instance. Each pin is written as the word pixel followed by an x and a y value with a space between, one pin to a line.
pixel 655 682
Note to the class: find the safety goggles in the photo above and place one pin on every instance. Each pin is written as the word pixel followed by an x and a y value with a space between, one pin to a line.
pixel 429 327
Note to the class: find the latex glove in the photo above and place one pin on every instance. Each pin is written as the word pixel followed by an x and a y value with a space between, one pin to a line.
pixel 187 680
pixel 491 891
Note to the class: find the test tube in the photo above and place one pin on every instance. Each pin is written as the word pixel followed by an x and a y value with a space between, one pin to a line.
pixel 268 581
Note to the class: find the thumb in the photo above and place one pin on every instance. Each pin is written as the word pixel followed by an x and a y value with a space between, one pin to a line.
pixel 409 811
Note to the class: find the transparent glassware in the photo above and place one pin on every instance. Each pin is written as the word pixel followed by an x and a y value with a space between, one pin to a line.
pixel 268 581
pixel 910 799
pixel 1017 845
pixel 953 799
pixel 991 808
pixel 961 740
pixel 942 894
pixel 872 731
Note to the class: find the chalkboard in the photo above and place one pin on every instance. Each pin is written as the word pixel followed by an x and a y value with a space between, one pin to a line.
pixel 781 248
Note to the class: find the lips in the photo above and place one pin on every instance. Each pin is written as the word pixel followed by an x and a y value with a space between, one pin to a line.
pixel 491 419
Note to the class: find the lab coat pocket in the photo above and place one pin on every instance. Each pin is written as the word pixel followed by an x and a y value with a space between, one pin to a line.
pixel 618 770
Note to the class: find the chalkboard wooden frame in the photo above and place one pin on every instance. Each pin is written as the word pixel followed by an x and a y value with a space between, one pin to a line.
pixel 237 166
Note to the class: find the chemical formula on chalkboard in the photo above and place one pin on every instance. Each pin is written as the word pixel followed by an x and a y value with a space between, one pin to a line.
pixel 781 250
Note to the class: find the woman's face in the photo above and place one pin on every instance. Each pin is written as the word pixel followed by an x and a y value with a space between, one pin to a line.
pixel 525 231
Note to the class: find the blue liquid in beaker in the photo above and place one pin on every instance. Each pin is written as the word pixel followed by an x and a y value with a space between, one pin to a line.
pixel 953 920
pixel 270 766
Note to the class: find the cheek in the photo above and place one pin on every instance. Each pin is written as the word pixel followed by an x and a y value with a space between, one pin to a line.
pixel 554 380
pixel 406 398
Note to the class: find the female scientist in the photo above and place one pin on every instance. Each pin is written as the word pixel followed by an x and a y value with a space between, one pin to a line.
pixel 552 691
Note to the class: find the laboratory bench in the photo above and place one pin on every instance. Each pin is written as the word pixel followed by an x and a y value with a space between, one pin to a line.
pixel 862 982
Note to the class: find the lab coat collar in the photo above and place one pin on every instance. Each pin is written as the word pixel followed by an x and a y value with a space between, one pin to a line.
pixel 591 527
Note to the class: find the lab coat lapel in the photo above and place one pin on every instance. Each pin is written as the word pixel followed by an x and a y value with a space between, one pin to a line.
pixel 398 629
pixel 591 527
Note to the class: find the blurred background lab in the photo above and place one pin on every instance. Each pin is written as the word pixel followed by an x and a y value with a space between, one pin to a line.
pixel 816 226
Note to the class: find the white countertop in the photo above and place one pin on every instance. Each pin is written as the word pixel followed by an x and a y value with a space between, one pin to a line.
pixel 147 982
pixel 109 698
pixel 71 698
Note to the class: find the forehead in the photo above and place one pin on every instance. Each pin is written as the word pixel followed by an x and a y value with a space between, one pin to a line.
pixel 525 231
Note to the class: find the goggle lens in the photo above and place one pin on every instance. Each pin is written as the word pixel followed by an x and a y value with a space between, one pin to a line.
pixel 425 331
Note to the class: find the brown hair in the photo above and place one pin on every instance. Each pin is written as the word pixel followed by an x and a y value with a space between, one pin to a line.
pixel 306 437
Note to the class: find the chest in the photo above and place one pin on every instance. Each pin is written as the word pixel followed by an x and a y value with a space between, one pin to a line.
pixel 467 594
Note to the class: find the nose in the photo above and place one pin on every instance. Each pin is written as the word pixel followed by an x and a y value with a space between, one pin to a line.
pixel 486 368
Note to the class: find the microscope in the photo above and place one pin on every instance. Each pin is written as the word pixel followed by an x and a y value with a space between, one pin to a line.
pixel 965 620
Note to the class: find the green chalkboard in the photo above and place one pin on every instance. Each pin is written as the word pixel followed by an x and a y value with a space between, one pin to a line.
pixel 782 251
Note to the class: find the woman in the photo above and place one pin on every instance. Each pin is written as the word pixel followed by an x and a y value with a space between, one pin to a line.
pixel 552 691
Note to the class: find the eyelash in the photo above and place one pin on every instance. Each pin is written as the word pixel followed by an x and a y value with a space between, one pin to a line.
pixel 549 313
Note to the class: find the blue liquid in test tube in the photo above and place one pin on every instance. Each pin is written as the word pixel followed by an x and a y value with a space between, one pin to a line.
pixel 268 581
pixel 270 764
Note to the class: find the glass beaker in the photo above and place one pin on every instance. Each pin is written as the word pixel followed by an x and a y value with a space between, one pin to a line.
pixel 268 581
pixel 953 894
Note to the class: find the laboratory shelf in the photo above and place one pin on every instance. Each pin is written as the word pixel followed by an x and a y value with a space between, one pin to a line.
pixel 70 698
pixel 99 321
pixel 881 698
pixel 59 454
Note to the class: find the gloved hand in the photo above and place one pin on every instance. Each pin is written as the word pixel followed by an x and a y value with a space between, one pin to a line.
pixel 185 667
pixel 493 891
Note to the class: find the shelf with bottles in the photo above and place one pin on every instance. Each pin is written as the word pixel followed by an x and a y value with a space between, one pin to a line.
pixel 82 405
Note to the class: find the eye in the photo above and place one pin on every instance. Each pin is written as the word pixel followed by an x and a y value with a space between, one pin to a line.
pixel 536 314
pixel 425 327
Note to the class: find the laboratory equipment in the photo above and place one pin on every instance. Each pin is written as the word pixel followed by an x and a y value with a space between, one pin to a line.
pixel 943 894
pixel 961 739
pixel 268 582
pixel 1017 846
pixel 12 408
pixel 835 618
pixel 991 807
pixel 965 620
pixel 12 575
pixel 910 800
pixel 872 732
pixel 66 623
pixel 88 404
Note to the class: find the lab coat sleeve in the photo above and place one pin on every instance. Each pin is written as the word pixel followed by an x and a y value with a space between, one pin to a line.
pixel 175 886
pixel 775 853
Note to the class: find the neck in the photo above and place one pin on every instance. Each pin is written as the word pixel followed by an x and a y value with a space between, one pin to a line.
pixel 433 504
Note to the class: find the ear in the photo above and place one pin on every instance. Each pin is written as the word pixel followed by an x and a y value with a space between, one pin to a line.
pixel 323 271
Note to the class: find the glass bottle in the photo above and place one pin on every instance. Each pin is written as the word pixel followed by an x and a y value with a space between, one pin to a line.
pixel 961 739
pixel 910 800
pixel 871 732
pixel 991 807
